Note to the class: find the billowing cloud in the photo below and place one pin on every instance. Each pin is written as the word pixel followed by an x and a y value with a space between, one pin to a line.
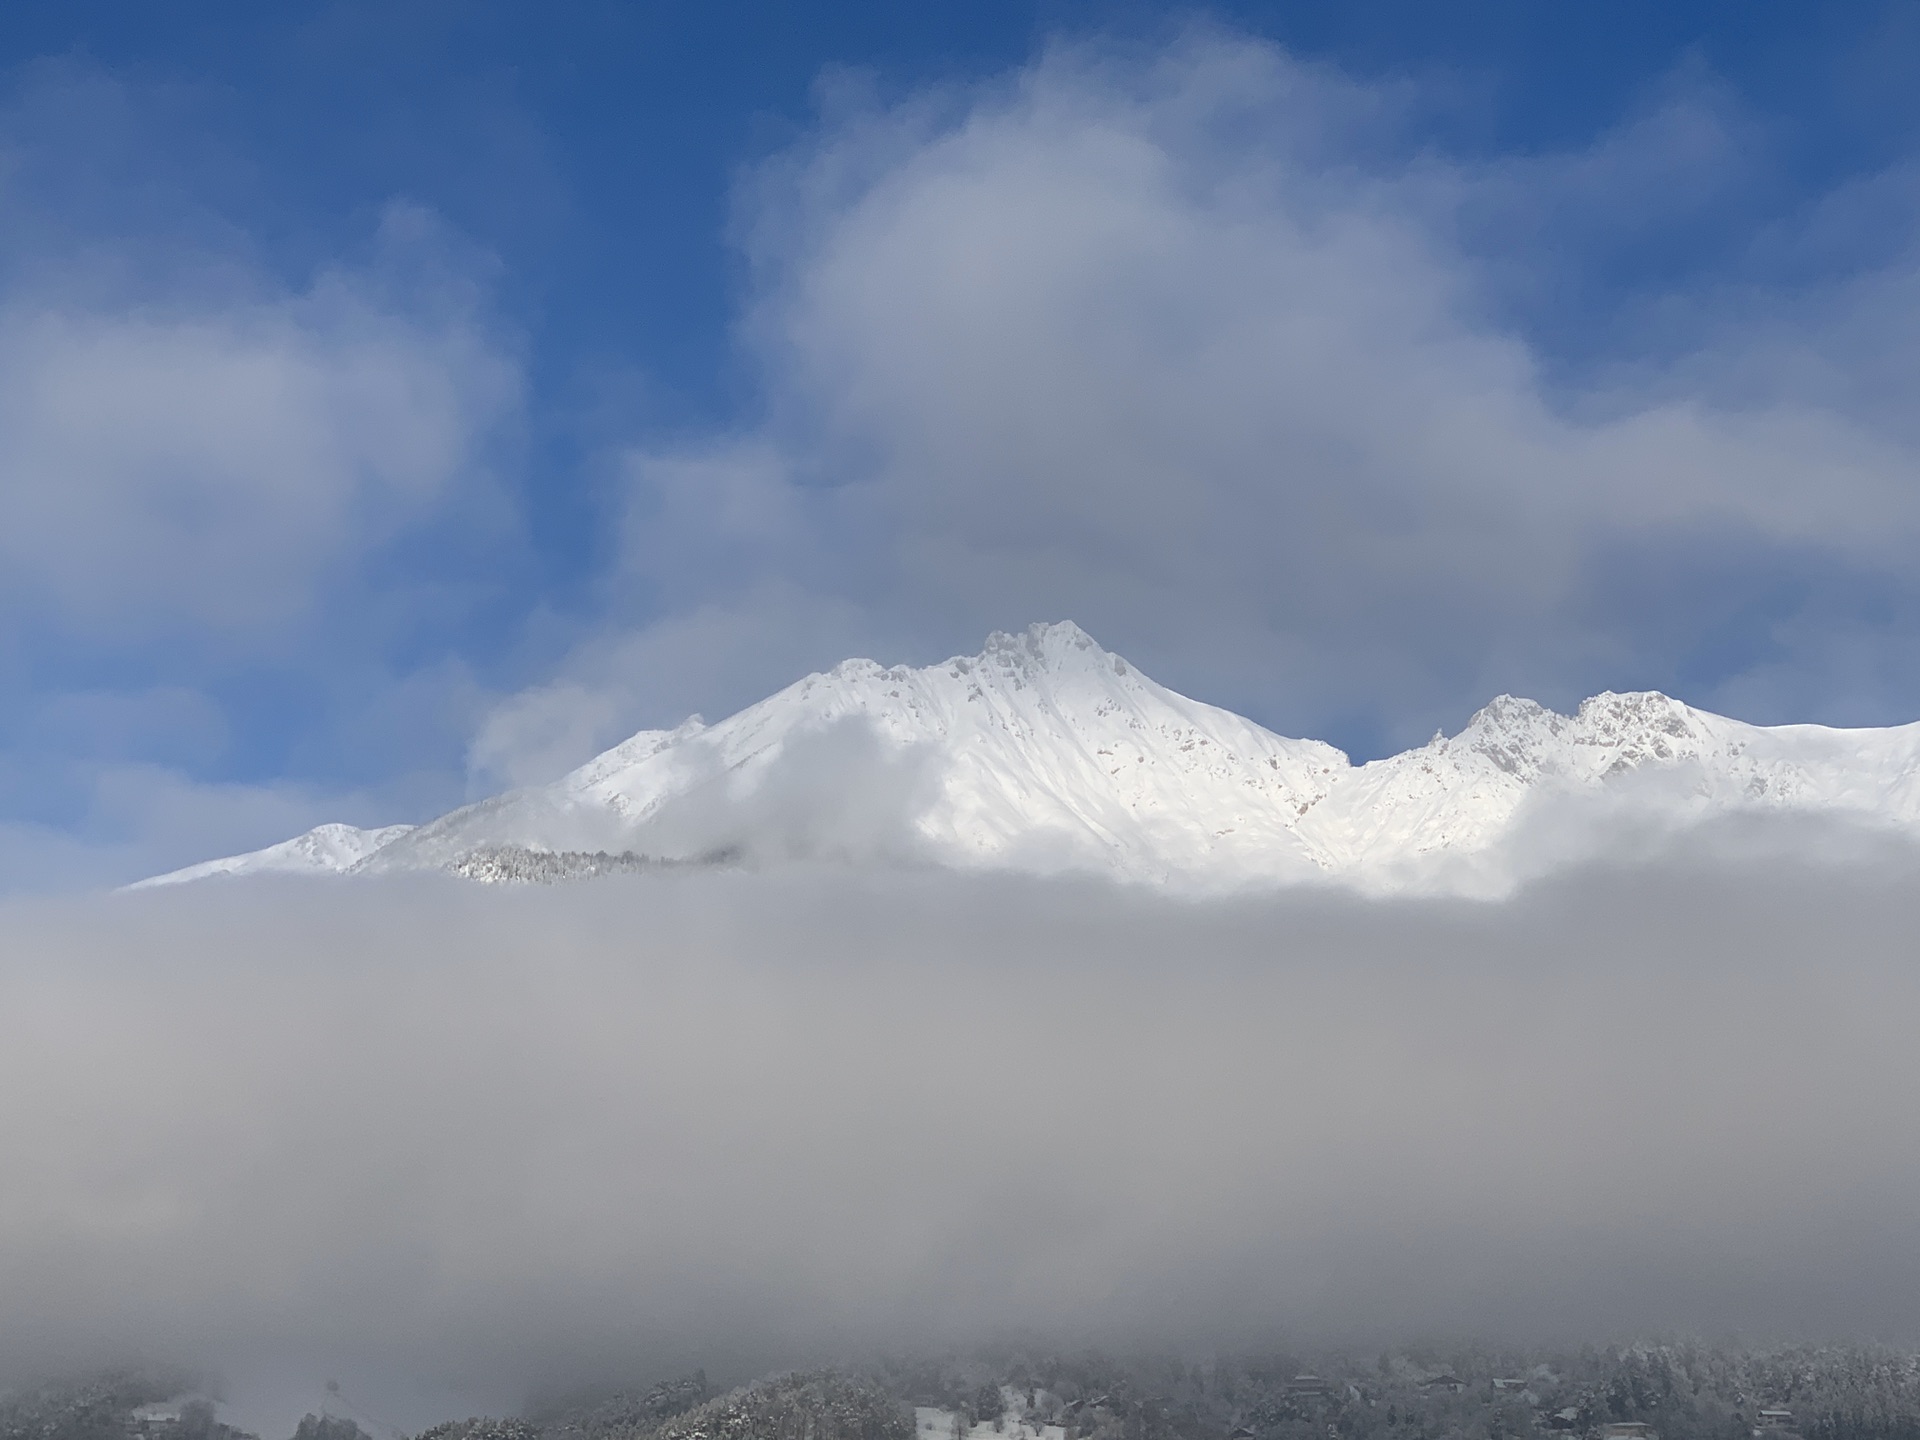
pixel 1207 350
pixel 206 466
pixel 469 1141
pixel 211 467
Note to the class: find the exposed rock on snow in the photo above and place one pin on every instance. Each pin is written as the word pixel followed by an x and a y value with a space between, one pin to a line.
pixel 517 865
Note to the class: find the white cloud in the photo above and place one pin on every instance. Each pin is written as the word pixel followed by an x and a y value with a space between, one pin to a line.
pixel 202 464
pixel 1203 351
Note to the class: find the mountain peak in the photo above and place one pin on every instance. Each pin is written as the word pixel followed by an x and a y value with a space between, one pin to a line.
pixel 1508 715
pixel 1045 648
pixel 1513 733
pixel 1636 711
pixel 1047 752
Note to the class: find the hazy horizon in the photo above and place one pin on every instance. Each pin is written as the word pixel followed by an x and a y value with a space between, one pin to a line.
pixel 433 1138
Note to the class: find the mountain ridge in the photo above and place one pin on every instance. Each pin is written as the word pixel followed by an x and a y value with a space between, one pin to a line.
pixel 1048 753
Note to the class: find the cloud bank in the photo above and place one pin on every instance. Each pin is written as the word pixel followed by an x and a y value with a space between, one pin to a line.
pixel 1209 349
pixel 435 1139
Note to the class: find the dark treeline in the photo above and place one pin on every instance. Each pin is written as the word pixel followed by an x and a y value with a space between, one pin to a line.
pixel 1666 1392
pixel 1680 1392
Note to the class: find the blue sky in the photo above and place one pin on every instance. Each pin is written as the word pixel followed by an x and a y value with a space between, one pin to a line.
pixel 398 402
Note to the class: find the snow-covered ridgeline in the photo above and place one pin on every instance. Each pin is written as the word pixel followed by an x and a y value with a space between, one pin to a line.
pixel 324 850
pixel 1045 752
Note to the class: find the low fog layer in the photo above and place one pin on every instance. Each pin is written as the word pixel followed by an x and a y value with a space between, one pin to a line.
pixel 451 1143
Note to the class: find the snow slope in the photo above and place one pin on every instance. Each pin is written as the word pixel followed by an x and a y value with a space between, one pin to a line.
pixel 1044 752
pixel 1642 753
pixel 323 850
pixel 1047 753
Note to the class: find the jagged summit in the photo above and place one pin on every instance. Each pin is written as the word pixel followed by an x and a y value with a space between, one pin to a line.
pixel 1043 751
pixel 1052 649
pixel 1046 752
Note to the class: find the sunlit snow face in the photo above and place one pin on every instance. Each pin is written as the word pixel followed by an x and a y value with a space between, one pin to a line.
pixel 1046 754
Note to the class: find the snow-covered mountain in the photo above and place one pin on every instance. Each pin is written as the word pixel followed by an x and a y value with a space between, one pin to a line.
pixel 323 850
pixel 1047 753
